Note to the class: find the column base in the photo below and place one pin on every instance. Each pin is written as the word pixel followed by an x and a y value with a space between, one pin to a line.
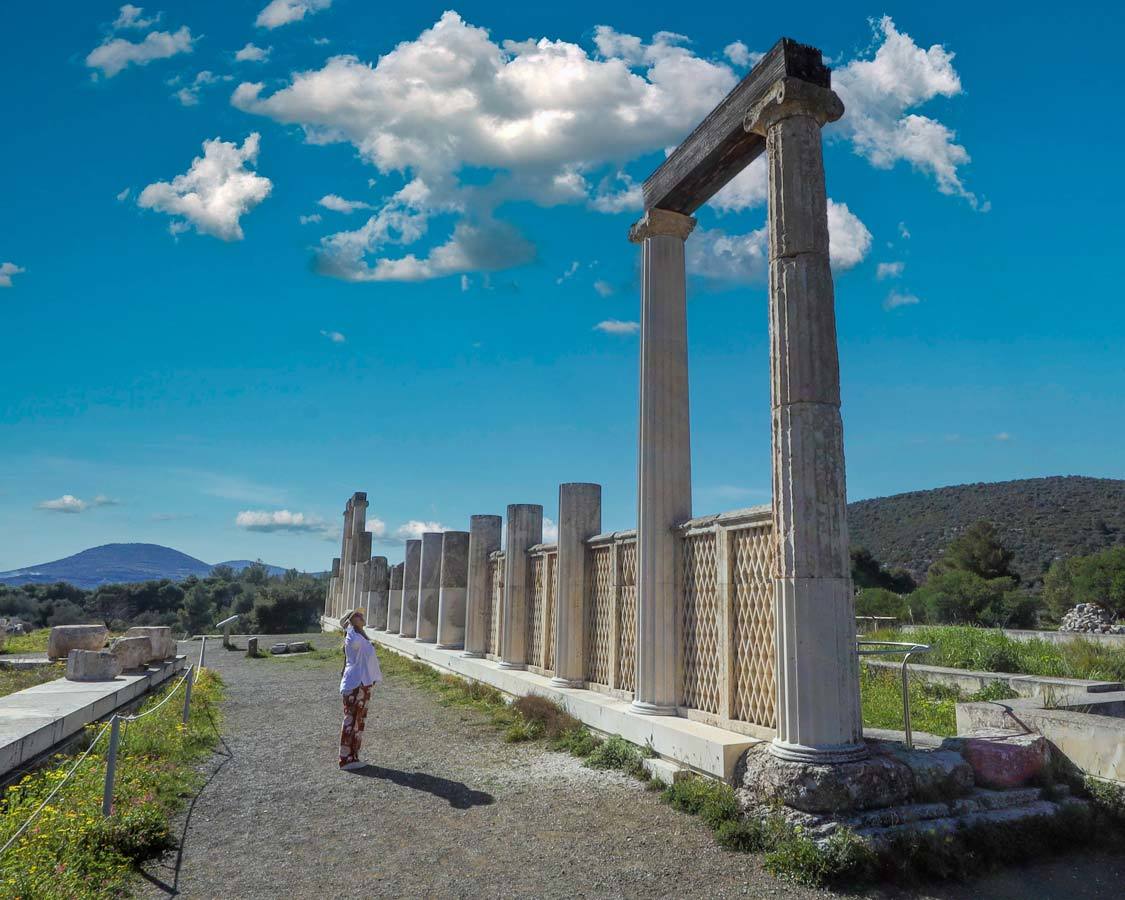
pixel 818 756
pixel 643 708
pixel 425 640
pixel 560 682
pixel 456 646
pixel 516 666
pixel 472 654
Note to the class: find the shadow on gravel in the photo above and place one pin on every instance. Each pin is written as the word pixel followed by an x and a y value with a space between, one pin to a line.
pixel 457 794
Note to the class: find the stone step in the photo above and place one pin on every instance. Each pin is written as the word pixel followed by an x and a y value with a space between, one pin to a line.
pixel 980 800
pixel 1007 815
pixel 983 799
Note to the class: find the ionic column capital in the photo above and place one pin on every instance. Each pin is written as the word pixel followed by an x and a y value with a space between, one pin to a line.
pixel 657 222
pixel 793 97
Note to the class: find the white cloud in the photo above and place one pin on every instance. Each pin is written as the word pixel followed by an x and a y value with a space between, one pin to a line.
pixel 611 199
pixel 130 16
pixel 334 336
pixel 550 530
pixel 337 203
pixel 189 95
pixel 282 12
pixel 123 195
pixel 103 500
pixel 281 520
pixel 616 326
pixel 414 529
pixel 253 53
pixel 118 53
pixel 67 503
pixel 569 273
pixel 903 231
pixel 889 270
pixel 741 55
pixel 604 288
pixel 7 270
pixel 895 299
pixel 215 192
pixel 377 527
pixel 746 190
pixel 848 238
pixel 1003 436
pixel 310 220
pixel 878 93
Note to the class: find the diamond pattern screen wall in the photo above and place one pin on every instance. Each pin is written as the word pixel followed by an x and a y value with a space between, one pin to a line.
pixel 703 642
pixel 627 655
pixel 537 609
pixel 753 686
pixel 496 579
pixel 552 560
pixel 599 618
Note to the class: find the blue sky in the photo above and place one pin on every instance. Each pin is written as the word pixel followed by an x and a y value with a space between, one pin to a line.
pixel 389 267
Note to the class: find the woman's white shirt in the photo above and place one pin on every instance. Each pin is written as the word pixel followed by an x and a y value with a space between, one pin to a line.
pixel 361 665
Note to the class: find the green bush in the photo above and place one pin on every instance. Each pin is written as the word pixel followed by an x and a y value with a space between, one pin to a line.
pixel 617 753
pixel 552 719
pixel 577 742
pixel 877 601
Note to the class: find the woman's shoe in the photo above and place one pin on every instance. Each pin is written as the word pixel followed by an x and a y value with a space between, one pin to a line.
pixel 348 767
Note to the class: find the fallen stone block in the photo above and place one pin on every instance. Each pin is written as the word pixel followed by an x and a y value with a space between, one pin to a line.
pixel 299 647
pixel 92 665
pixel 665 771
pixel 1005 759
pixel 132 652
pixel 278 649
pixel 163 644
pixel 252 647
pixel 64 638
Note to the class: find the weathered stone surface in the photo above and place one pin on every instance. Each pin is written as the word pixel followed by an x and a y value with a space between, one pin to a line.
pixel 452 590
pixel 938 774
pixel 64 638
pixel 429 587
pixel 408 621
pixel 580 518
pixel 92 665
pixel 299 647
pixel 132 652
pixel 278 649
pixel 252 647
pixel 871 783
pixel 1003 759
pixel 163 644
pixel 484 538
pixel 525 529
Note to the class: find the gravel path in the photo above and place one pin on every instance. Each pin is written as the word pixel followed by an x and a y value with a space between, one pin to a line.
pixel 446 809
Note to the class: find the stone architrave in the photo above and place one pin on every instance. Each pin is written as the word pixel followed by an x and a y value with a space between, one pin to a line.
pixel 64 638
pixel 580 518
pixel 664 458
pixel 429 587
pixel 132 652
pixel 92 665
pixel 379 584
pixel 818 715
pixel 408 621
pixel 394 599
pixel 452 584
pixel 484 539
pixel 525 530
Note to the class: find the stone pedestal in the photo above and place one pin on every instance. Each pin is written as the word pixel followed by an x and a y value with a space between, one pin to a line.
pixel 429 587
pixel 409 619
pixel 378 585
pixel 664 459
pixel 92 665
pixel 453 589
pixel 394 599
pixel 484 539
pixel 161 638
pixel 818 718
pixel 525 530
pixel 580 518
pixel 64 638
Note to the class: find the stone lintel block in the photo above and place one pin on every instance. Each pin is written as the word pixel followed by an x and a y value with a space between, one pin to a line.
pixel 132 652
pixel 92 665
pixel 163 644
pixel 1004 759
pixel 805 365
pixel 64 638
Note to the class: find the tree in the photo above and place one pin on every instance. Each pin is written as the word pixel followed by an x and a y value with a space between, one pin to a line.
pixel 977 550
pixel 961 597
pixel 1098 578
pixel 868 572
pixel 196 615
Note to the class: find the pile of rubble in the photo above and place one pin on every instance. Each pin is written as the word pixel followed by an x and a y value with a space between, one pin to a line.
pixel 1089 618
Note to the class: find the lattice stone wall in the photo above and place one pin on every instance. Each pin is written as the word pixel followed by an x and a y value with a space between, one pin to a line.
pixel 496 583
pixel 552 610
pixel 541 608
pixel 753 678
pixel 627 634
pixel 600 616
pixel 702 640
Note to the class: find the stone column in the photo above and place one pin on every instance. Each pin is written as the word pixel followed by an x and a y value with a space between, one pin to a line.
pixel 333 585
pixel 379 583
pixel 343 583
pixel 362 589
pixel 580 518
pixel 394 599
pixel 362 558
pixel 664 457
pixel 359 548
pixel 429 587
pixel 408 621
pixel 484 538
pixel 818 716
pixel 525 529
pixel 453 585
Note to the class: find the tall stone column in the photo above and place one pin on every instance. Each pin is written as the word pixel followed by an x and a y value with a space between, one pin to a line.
pixel 378 584
pixel 333 586
pixel 525 530
pixel 429 587
pixel 362 576
pixel 343 584
pixel 453 586
pixel 818 716
pixel 362 558
pixel 359 549
pixel 394 599
pixel 408 621
pixel 664 456
pixel 580 518
pixel 484 538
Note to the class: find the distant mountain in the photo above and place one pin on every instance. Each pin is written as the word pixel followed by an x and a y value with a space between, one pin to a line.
pixel 1040 519
pixel 120 564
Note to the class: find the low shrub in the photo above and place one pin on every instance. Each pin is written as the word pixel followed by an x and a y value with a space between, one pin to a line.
pixel 552 718
pixel 577 742
pixel 618 753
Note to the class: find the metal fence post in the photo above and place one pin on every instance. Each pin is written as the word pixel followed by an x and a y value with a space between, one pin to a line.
pixel 202 649
pixel 187 692
pixel 111 765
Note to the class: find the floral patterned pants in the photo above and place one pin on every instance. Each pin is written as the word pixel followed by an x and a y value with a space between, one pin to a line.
pixel 355 714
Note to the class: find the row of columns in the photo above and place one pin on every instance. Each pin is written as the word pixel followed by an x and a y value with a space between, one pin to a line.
pixel 353 578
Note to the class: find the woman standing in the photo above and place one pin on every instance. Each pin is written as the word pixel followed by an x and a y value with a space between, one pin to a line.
pixel 361 671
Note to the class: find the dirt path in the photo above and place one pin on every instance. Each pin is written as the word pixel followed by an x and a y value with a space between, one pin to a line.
pixel 446 809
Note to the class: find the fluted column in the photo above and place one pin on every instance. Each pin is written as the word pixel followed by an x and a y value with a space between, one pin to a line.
pixel 408 621
pixel 664 455
pixel 394 599
pixel 429 587
pixel 343 582
pixel 452 590
pixel 818 716
pixel 378 586
pixel 359 549
pixel 362 558
pixel 362 581
pixel 484 539
pixel 525 529
pixel 580 518
pixel 333 584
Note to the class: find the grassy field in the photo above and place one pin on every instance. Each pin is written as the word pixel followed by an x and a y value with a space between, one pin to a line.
pixel 12 680
pixel 933 707
pixel 36 642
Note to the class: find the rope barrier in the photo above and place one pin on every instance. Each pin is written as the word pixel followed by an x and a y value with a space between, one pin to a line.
pixel 167 697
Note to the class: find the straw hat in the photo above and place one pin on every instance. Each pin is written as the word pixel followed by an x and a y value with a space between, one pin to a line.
pixel 346 618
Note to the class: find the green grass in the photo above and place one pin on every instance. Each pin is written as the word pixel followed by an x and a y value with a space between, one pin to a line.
pixel 70 851
pixel 933 707
pixel 36 642
pixel 12 680
pixel 984 650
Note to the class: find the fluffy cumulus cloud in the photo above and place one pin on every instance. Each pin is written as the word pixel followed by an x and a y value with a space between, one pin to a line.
pixel 214 194
pixel 896 299
pixel 119 53
pixel 282 12
pixel 68 503
pixel 550 530
pixel 889 270
pixel 253 53
pixel 310 219
pixel 415 528
pixel 7 270
pixel 741 55
pixel 848 238
pixel 189 94
pixel 616 326
pixel 334 336
pixel 281 520
pixel 130 16
pixel 337 203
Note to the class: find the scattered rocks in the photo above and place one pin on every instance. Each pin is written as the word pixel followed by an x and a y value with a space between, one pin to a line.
pixel 1089 618
pixel 1005 759
pixel 278 649
pixel 291 647
pixel 64 638
pixel 160 636
pixel 132 652
pixel 92 665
